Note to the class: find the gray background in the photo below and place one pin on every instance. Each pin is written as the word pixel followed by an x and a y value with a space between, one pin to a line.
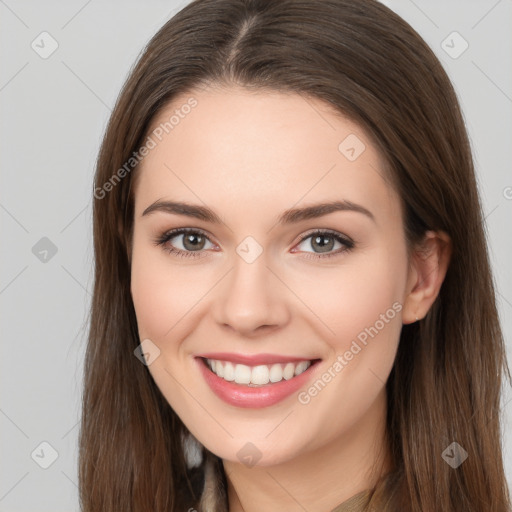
pixel 54 111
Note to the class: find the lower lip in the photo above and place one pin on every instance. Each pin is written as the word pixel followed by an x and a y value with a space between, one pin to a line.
pixel 240 395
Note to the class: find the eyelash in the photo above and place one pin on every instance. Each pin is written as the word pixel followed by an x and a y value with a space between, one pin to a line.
pixel 169 235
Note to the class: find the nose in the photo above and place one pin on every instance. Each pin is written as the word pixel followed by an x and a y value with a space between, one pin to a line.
pixel 251 300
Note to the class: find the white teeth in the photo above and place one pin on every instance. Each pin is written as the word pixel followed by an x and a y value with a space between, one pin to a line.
pixel 288 371
pixel 301 367
pixel 229 371
pixel 242 374
pixel 256 375
pixel 260 375
pixel 276 373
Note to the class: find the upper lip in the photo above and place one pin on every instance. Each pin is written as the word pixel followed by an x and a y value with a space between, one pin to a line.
pixel 254 359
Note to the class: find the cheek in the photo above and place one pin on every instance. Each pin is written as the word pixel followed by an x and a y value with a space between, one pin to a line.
pixel 149 295
pixel 361 305
pixel 166 296
pixel 358 296
pixel 157 292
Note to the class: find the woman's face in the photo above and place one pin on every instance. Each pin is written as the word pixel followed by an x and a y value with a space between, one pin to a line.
pixel 265 282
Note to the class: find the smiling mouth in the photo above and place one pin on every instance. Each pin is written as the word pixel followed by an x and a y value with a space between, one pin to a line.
pixel 259 375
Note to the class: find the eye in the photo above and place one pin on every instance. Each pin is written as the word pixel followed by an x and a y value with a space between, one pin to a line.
pixel 323 242
pixel 190 243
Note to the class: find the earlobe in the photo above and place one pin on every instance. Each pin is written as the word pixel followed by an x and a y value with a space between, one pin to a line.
pixel 429 264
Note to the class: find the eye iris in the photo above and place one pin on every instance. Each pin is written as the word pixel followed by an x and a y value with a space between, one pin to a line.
pixel 196 242
pixel 319 240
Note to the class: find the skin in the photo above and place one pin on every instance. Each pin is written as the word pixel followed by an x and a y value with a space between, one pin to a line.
pixel 250 156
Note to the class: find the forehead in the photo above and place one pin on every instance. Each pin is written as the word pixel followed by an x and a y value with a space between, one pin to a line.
pixel 259 151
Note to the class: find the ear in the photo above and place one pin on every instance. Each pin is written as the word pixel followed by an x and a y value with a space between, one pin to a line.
pixel 427 270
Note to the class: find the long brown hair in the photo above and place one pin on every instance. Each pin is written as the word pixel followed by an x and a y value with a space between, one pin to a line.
pixel 372 67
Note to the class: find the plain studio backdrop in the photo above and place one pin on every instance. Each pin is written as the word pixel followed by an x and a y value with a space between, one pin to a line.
pixel 63 64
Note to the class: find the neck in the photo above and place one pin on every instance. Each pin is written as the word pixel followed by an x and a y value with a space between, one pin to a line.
pixel 317 480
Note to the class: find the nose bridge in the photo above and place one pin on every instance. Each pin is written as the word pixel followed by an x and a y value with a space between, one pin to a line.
pixel 251 296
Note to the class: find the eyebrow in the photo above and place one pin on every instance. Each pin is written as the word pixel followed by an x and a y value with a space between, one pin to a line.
pixel 291 216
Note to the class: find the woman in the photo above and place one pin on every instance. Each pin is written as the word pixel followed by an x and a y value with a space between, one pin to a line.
pixel 293 307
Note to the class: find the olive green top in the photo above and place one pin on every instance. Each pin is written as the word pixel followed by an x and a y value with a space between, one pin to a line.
pixel 370 499
pixel 355 504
